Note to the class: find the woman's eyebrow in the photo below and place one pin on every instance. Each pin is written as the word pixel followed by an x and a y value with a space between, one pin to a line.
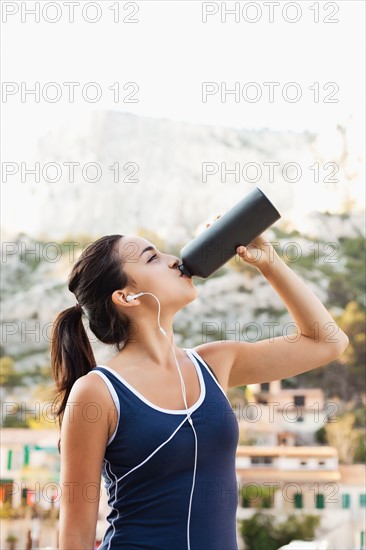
pixel 147 249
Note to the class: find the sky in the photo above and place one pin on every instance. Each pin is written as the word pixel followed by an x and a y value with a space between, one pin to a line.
pixel 164 54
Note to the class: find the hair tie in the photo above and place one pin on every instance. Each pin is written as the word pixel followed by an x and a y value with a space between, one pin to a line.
pixel 78 306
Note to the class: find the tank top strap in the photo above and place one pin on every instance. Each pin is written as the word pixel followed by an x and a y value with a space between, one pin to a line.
pixel 208 369
pixel 199 358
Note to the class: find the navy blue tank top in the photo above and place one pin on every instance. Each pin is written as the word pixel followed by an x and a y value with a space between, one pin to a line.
pixel 148 469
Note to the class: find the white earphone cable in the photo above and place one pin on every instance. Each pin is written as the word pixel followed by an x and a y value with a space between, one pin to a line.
pixel 188 418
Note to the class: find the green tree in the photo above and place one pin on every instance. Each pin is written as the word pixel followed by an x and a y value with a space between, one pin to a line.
pixel 320 436
pixel 9 377
pixel 340 290
pixel 257 532
pixel 353 250
pixel 342 436
pixel 296 528
pixel 261 532
pixel 257 497
pixel 344 377
pixel 360 453
pixel 353 323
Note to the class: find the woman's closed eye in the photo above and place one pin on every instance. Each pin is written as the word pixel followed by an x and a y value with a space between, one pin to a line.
pixel 152 258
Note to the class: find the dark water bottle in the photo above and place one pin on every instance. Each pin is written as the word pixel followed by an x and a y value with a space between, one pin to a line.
pixel 214 246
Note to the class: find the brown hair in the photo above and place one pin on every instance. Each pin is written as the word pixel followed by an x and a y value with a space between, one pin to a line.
pixel 97 273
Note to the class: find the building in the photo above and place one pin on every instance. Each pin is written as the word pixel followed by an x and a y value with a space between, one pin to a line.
pixel 285 480
pixel 284 416
pixel 30 465
pixel 30 476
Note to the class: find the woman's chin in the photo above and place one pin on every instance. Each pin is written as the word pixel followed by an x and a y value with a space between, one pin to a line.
pixel 194 295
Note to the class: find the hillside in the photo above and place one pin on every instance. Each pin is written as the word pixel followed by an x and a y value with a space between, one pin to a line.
pixel 234 303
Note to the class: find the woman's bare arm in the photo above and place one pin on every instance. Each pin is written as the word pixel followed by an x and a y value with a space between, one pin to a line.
pixel 84 435
pixel 318 341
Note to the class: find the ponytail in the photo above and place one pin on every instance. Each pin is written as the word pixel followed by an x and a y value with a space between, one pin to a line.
pixel 71 355
pixel 97 273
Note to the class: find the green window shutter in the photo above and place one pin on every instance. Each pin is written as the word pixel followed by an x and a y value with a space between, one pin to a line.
pixel 346 501
pixel 10 457
pixel 319 501
pixel 245 502
pixel 363 500
pixel 298 500
pixel 26 455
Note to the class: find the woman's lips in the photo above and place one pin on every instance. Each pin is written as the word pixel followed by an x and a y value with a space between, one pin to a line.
pixel 181 274
pixel 185 276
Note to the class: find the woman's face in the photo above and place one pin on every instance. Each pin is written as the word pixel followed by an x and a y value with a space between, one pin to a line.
pixel 156 272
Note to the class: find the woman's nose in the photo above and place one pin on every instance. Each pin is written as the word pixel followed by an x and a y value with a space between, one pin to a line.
pixel 174 262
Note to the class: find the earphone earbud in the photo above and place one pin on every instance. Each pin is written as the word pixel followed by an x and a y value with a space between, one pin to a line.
pixel 133 296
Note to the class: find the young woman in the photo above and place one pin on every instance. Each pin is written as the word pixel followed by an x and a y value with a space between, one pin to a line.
pixel 154 420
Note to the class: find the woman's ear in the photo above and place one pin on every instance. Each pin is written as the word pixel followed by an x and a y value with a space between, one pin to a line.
pixel 119 297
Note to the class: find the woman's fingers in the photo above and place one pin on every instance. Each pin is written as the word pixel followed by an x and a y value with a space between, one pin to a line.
pixel 215 218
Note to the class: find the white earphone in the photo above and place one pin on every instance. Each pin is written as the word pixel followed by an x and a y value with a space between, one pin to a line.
pixel 129 298
pixel 133 296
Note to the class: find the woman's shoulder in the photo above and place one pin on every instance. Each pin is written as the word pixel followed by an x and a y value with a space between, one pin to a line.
pixel 90 388
pixel 218 356
pixel 91 396
pixel 217 353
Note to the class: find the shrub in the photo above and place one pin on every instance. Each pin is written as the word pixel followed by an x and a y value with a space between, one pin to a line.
pixel 260 532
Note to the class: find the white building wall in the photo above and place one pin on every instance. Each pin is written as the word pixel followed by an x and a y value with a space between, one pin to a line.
pixel 312 463
pixel 287 419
